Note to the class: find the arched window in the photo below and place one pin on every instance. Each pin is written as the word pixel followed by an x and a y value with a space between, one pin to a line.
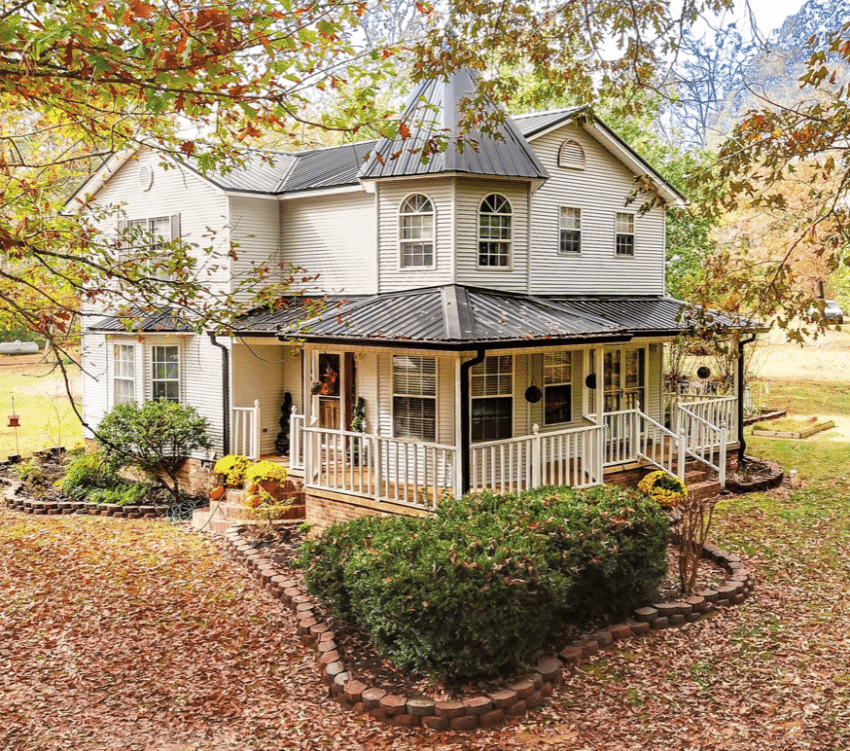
pixel 494 231
pixel 571 154
pixel 416 231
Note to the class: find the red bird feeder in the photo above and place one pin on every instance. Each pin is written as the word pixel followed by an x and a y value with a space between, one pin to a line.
pixel 14 421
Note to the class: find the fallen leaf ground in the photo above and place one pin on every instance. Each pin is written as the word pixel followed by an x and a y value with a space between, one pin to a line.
pixel 140 637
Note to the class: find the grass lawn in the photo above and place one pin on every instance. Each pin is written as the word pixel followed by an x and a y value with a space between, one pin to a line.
pixel 811 399
pixel 46 416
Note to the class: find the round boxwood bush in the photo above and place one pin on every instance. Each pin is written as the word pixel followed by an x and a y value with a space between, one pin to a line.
pixel 478 587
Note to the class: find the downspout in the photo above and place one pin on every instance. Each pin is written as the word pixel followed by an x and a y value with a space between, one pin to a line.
pixel 742 445
pixel 225 392
pixel 465 418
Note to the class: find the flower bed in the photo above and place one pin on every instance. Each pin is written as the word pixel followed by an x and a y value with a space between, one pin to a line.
pixel 498 703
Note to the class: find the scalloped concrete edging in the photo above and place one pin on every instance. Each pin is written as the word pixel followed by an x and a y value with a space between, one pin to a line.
pixel 65 508
pixel 490 709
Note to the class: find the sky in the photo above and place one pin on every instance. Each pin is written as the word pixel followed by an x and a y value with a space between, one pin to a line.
pixel 771 13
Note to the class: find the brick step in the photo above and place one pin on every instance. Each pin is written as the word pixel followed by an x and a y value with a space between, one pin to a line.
pixel 706 489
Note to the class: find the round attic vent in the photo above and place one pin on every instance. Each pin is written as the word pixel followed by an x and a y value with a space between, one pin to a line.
pixel 145 177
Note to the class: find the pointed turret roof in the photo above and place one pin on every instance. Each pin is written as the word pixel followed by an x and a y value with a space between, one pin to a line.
pixel 432 111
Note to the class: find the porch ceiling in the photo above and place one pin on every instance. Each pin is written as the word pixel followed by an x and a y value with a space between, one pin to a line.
pixel 460 317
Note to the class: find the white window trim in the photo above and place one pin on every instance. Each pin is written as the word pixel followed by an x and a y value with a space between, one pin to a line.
pixel 570 253
pixel 401 241
pixel 181 370
pixel 114 371
pixel 435 398
pixel 633 233
pixel 510 242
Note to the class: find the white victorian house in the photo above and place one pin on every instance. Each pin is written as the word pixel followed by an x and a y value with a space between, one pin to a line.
pixel 500 310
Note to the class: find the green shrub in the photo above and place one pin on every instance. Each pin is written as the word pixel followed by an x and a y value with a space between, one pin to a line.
pixel 85 472
pixel 478 587
pixel 128 494
pixel 155 439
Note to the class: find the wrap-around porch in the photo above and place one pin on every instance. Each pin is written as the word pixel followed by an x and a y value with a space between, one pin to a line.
pixel 419 474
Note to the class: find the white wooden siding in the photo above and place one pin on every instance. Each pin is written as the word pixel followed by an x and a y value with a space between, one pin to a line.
pixel 261 371
pixel 469 196
pixel 390 197
pixel 333 238
pixel 600 190
pixel 176 190
pixel 93 355
pixel 255 234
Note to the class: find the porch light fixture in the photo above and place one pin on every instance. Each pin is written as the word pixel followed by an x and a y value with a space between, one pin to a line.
pixel 590 380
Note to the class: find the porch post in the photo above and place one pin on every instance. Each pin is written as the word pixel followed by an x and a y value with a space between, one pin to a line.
pixel 599 394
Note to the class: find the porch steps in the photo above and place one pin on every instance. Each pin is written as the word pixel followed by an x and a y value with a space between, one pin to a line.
pixel 220 515
pixel 701 481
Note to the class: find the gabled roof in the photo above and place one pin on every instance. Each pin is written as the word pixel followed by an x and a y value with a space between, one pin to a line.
pixel 434 111
pixel 459 317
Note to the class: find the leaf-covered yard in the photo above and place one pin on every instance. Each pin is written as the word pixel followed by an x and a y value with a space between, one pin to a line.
pixel 134 635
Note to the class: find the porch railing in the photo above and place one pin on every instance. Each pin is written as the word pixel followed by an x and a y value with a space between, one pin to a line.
pixel 296 440
pixel 662 447
pixel 245 431
pixel 712 409
pixel 566 457
pixel 386 469
pixel 704 440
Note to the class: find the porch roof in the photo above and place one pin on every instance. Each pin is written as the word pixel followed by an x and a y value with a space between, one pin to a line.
pixel 458 317
pixel 136 321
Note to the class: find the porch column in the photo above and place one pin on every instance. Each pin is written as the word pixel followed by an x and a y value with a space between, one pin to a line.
pixel 599 393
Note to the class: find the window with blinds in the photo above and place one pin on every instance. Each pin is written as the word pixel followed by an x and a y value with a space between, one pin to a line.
pixel 415 397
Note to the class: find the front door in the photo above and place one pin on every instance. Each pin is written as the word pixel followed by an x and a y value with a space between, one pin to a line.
pixel 334 389
pixel 624 378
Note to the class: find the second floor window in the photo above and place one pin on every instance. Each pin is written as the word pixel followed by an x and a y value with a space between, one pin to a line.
pixel 625 245
pixel 494 231
pixel 416 231
pixel 165 373
pixel 149 233
pixel 570 230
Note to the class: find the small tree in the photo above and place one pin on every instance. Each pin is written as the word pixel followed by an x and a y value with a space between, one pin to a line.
pixel 155 439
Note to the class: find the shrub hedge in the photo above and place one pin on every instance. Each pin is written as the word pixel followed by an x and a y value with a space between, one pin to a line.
pixel 479 586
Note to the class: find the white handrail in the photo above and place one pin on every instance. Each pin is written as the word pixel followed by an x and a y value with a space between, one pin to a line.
pixel 400 470
pixel 564 457
pixel 704 440
pixel 662 447
pixel 245 431
pixel 296 440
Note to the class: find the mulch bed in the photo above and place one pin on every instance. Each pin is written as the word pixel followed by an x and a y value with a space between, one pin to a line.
pixel 363 660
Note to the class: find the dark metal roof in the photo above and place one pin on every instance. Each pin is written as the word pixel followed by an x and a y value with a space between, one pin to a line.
pixel 433 111
pixel 455 316
pixel 326 168
pixel 536 122
pixel 137 321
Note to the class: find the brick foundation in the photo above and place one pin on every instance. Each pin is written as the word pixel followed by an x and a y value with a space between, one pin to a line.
pixel 325 509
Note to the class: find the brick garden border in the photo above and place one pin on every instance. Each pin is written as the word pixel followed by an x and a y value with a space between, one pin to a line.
pixel 65 508
pixel 490 709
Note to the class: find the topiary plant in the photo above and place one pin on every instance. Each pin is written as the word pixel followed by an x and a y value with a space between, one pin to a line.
pixel 281 441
